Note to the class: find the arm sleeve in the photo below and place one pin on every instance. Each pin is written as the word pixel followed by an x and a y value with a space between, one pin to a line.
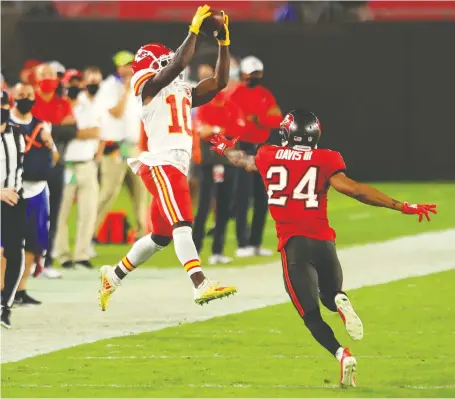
pixel 64 132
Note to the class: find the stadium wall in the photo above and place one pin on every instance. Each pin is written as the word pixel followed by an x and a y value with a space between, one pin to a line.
pixel 383 91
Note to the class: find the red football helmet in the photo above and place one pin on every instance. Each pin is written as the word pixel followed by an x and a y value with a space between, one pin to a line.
pixel 152 56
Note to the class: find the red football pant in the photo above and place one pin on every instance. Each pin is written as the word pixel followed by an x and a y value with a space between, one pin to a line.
pixel 171 197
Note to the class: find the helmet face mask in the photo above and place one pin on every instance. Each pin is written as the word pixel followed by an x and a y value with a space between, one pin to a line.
pixel 152 57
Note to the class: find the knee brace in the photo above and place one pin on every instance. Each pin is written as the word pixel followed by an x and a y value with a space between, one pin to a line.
pixel 162 241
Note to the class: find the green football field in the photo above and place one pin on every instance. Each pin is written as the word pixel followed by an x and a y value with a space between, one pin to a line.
pixel 408 349
pixel 354 222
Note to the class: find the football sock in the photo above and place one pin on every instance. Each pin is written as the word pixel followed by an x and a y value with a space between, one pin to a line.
pixel 142 250
pixel 186 250
pixel 339 353
pixel 321 331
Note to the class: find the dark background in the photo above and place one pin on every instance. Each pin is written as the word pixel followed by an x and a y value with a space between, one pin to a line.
pixel 385 92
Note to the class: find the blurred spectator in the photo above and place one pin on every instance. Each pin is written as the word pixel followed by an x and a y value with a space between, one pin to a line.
pixel 218 116
pixel 81 171
pixel 52 108
pixel 27 73
pixel 120 133
pixel 60 69
pixel 71 85
pixel 40 156
pixel 262 114
pixel 288 12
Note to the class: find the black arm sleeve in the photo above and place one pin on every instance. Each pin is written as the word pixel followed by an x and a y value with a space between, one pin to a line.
pixel 64 132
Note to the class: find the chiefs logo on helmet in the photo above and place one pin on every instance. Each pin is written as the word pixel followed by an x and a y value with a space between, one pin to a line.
pixel 287 122
pixel 148 61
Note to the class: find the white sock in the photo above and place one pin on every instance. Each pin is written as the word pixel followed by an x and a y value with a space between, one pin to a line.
pixel 339 353
pixel 142 250
pixel 186 250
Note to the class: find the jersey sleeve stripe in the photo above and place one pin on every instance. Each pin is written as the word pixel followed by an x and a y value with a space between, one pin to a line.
pixel 141 80
pixel 337 171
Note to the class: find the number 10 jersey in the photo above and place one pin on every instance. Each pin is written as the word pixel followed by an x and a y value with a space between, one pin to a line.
pixel 297 182
pixel 167 123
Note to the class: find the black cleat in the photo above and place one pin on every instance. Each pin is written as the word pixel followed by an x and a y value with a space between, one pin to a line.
pixel 22 298
pixel 5 321
pixel 85 263
pixel 68 264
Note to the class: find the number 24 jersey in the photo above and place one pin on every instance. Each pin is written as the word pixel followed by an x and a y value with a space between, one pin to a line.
pixel 297 182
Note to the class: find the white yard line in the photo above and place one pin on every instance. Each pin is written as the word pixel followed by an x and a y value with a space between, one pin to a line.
pixel 153 299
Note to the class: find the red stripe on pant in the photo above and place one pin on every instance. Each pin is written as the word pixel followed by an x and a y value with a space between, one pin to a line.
pixel 287 279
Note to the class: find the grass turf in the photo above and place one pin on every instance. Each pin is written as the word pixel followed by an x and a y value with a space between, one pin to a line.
pixel 408 351
pixel 354 222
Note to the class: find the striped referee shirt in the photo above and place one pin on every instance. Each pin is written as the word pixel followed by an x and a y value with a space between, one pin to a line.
pixel 12 148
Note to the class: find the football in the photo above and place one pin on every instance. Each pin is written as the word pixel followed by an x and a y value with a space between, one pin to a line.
pixel 213 24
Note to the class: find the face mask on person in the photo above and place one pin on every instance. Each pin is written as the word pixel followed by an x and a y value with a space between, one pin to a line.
pixel 4 116
pixel 234 73
pixel 253 82
pixel 73 92
pixel 59 90
pixel 92 88
pixel 24 105
pixel 48 85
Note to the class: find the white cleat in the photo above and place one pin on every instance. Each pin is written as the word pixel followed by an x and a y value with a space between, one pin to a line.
pixel 259 251
pixel 245 252
pixel 348 369
pixel 51 272
pixel 219 260
pixel 109 283
pixel 353 324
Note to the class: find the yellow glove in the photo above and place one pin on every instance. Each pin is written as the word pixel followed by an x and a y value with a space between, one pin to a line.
pixel 201 14
pixel 223 35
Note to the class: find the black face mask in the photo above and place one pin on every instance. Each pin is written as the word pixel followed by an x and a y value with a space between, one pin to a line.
pixel 59 90
pixel 253 82
pixel 24 105
pixel 4 116
pixel 92 88
pixel 73 92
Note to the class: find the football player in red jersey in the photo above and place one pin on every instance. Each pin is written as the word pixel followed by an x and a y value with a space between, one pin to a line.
pixel 297 176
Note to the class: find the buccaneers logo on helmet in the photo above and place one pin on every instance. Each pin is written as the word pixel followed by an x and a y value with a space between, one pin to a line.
pixel 287 122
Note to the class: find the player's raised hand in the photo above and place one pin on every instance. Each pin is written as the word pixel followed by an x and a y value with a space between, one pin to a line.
pixel 221 143
pixel 202 13
pixel 223 35
pixel 419 209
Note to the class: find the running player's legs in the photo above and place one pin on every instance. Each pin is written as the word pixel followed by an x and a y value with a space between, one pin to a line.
pixel 301 281
pixel 330 274
pixel 330 285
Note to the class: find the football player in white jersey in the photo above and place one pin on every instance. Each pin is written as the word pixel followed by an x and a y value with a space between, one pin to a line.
pixel 166 102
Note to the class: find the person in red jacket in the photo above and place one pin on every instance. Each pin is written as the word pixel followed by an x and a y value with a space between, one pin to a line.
pixel 262 114
pixel 217 177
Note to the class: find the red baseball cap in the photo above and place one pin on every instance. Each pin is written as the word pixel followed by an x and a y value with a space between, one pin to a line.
pixel 70 74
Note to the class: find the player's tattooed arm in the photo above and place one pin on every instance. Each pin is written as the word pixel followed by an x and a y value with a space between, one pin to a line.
pixel 169 73
pixel 363 192
pixel 240 159
pixel 207 89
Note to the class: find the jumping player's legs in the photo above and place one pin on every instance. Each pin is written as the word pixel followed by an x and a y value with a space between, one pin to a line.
pixel 301 281
pixel 171 218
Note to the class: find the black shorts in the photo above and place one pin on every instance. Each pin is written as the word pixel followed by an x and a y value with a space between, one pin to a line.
pixel 311 271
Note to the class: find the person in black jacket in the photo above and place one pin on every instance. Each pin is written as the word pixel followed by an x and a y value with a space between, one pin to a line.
pixel 13 210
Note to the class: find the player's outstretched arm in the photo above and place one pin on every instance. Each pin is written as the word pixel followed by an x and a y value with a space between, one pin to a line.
pixel 238 158
pixel 371 196
pixel 207 89
pixel 180 60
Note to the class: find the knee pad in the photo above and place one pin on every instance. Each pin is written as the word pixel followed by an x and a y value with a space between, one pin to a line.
pixel 162 241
